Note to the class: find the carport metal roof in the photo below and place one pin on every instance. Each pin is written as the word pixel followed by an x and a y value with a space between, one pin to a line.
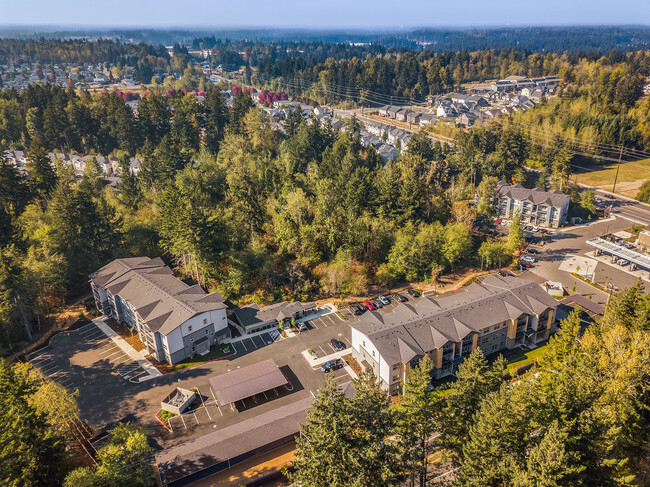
pixel 638 258
pixel 587 304
pixel 242 383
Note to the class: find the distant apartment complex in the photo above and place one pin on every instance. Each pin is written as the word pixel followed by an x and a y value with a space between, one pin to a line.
pixel 536 206
pixel 173 320
pixel 499 313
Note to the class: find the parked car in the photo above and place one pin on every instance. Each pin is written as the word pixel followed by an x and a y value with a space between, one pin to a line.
pixel 331 365
pixel 362 308
pixel 531 250
pixel 528 258
pixel 413 293
pixel 401 298
pixel 337 344
pixel 355 310
pixel 369 305
pixel 384 299
pixel 377 303
pixel 497 221
pixel 622 262
pixel 525 264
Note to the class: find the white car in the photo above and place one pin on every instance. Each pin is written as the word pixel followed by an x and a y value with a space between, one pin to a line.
pixel 622 262
pixel 528 258
pixel 384 299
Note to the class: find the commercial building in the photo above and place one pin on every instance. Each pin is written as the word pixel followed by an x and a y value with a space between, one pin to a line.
pixel 497 314
pixel 535 206
pixel 173 320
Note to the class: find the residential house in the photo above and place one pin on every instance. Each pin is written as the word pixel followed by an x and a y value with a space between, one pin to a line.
pixel 414 117
pixel 173 320
pixel 468 119
pixel 387 152
pixel 497 314
pixel 427 118
pixel 252 318
pixel 535 206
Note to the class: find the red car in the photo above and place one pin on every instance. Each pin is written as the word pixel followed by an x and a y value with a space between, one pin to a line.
pixel 369 305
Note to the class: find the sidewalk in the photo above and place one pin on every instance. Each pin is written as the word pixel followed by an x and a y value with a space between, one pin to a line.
pixel 129 350
pixel 314 363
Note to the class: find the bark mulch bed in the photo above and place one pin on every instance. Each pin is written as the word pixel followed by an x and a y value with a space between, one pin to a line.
pixel 125 332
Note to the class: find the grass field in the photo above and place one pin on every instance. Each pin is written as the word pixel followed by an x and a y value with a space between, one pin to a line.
pixel 630 177
pixel 525 358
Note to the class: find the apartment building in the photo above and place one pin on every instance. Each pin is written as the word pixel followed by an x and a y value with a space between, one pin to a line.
pixel 499 313
pixel 172 319
pixel 535 206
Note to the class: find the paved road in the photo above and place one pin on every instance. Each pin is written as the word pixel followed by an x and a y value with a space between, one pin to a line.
pixel 572 241
pixel 631 210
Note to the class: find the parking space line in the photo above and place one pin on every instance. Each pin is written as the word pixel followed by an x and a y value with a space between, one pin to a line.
pixel 332 347
pixel 243 345
pixel 253 342
pixel 330 318
pixel 313 324
pixel 85 326
pixel 344 338
pixel 124 359
pixel 322 349
pixel 114 353
pixel 56 372
pixel 263 342
pixel 41 362
pixel 88 333
pixel 109 350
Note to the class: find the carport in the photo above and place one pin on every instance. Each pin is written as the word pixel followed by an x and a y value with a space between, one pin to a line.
pixel 246 382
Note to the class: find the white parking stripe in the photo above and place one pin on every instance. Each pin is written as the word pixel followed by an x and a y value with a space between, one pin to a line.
pixel 114 353
pixel 260 338
pixel 126 358
pixel 347 341
pixel 322 349
pixel 243 345
pixel 89 332
pixel 313 324
pixel 329 318
pixel 108 350
pixel 254 346
pixel 56 372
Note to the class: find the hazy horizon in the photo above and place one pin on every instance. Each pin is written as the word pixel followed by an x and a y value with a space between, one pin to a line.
pixel 312 14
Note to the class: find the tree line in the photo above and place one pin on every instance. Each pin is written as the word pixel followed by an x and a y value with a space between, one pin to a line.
pixel 578 418
pixel 41 437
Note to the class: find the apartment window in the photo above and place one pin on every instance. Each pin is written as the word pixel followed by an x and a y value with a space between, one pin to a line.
pixel 189 328
pixel 395 378
pixel 207 331
pixel 205 321
pixel 193 349
pixel 364 344
pixel 395 366
pixel 373 353
pixel 191 339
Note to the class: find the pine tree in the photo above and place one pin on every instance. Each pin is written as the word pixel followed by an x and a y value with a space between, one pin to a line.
pixel 376 461
pixel 42 176
pixel 417 416
pixel 130 193
pixel 323 455
pixel 216 119
pixel 475 379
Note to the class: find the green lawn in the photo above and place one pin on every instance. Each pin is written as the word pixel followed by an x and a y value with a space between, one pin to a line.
pixel 525 357
pixel 215 353
pixel 630 177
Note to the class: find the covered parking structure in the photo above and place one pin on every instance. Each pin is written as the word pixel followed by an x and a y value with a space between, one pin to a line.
pixel 641 260
pixel 246 382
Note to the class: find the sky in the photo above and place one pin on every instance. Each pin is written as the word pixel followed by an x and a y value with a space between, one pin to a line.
pixel 322 13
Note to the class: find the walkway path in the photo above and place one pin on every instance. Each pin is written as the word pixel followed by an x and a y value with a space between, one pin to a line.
pixel 129 350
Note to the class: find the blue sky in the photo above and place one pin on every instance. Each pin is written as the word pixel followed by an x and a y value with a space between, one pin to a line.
pixel 322 13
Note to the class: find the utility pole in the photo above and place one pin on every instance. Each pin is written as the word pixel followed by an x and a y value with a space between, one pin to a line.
pixel 618 166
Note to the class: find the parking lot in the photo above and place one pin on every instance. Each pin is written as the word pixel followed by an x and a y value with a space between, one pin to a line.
pixel 88 360
pixel 251 343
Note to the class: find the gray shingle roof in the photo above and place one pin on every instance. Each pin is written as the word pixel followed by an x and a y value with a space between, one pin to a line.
pixel 163 301
pixel 426 324
pixel 536 196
